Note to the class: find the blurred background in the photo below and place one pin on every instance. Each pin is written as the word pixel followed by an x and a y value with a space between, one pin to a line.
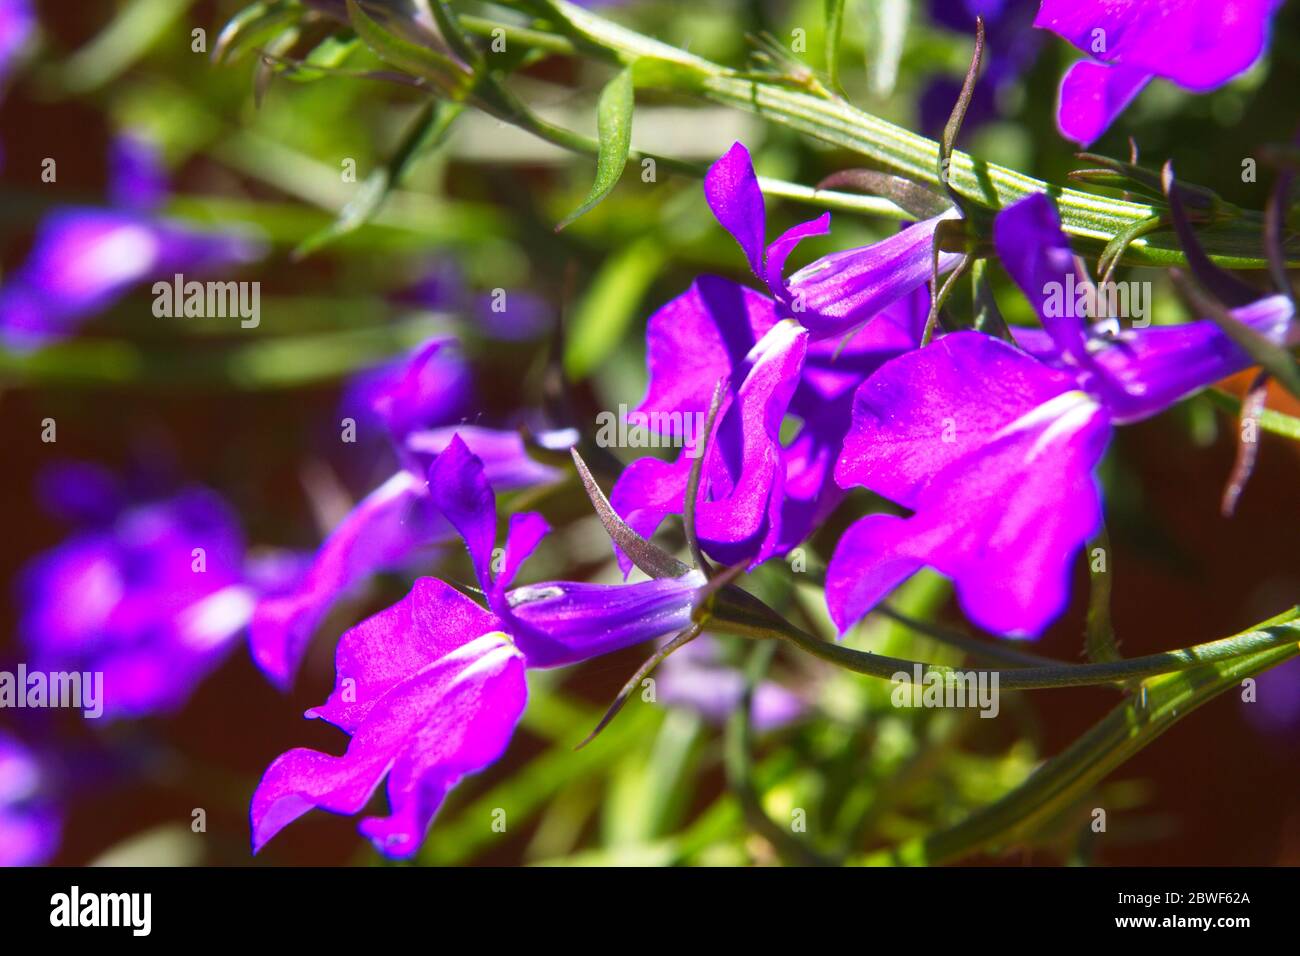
pixel 253 414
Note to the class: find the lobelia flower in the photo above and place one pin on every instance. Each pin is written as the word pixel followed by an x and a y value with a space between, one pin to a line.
pixel 838 292
pixel 758 495
pixel 84 258
pixel 30 826
pixel 1198 44
pixel 430 689
pixel 993 448
pixel 398 522
pixel 132 596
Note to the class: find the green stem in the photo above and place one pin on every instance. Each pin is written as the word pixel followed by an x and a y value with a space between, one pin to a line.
pixel 1285 630
pixel 1058 785
pixel 1235 242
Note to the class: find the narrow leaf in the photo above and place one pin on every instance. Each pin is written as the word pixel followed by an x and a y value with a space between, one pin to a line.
pixel 614 133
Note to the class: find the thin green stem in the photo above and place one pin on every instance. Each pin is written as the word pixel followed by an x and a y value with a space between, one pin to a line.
pixel 1044 677
pixel 1058 786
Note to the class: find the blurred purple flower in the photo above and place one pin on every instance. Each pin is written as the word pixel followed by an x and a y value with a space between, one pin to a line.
pixel 1198 44
pixel 430 689
pixel 431 386
pixel 151 594
pixel 511 315
pixel 1009 48
pixel 1276 707
pixel 84 258
pixel 993 449
pixel 695 677
pixel 17 21
pixel 29 823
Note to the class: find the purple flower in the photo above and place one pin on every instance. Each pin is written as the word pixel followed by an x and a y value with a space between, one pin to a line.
pixel 1276 707
pixel 838 292
pixel 1198 44
pixel 17 21
pixel 151 595
pixel 992 449
pixel 395 524
pixel 410 401
pixel 431 386
pixel 29 824
pixel 430 689
pixel 84 259
pixel 512 315
pixel 759 495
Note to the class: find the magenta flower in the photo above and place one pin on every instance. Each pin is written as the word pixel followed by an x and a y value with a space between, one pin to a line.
pixel 430 689
pixel 992 449
pixel 85 259
pixel 398 522
pixel 759 496
pixel 1198 44
pixel 838 292
pixel 29 824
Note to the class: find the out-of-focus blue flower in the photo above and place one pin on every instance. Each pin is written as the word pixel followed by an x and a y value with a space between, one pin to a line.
pixel 1276 707
pixel 430 387
pixel 150 594
pixel 85 258
pixel 696 678
pixel 17 21
pixel 1009 48
pixel 29 823
pixel 511 315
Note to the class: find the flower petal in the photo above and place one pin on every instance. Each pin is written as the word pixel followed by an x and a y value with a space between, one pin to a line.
pixel 452 718
pixel 1092 95
pixel 1004 522
pixel 840 291
pixel 386 528
pixel 433 620
pixel 731 190
pixel 928 408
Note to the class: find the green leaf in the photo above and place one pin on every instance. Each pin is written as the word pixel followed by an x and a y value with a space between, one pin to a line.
pixel 834 33
pixel 434 66
pixel 602 317
pixel 128 36
pixel 614 132
pixel 1058 786
pixel 886 34
pixel 428 131
pixel 250 27
pixel 1276 422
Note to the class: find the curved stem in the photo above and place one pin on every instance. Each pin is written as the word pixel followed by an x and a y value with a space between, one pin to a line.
pixel 1058 785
